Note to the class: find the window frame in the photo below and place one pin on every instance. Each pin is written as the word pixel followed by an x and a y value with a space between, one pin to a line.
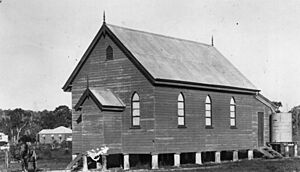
pixel 208 110
pixel 183 110
pixel 232 111
pixel 109 53
pixel 132 111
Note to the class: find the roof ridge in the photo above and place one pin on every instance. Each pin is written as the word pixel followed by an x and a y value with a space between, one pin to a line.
pixel 161 35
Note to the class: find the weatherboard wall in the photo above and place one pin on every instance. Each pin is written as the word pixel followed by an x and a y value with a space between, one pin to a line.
pixel 123 78
pixel 92 126
pixel 195 136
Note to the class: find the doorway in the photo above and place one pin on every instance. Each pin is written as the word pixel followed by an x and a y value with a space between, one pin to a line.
pixel 260 131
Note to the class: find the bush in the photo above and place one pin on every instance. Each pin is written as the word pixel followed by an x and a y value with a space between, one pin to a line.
pixel 67 151
pixel 45 154
pixel 14 152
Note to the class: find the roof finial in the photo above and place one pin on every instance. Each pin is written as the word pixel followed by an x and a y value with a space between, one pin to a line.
pixel 212 40
pixel 104 17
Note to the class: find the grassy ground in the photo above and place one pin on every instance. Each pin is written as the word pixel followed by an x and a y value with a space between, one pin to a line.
pixel 264 165
pixel 42 165
pixel 48 159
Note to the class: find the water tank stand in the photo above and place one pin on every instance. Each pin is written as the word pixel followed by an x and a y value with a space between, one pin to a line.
pixel 287 149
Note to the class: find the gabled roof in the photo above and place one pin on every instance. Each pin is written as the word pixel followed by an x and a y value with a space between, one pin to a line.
pixel 172 61
pixel 58 130
pixel 103 98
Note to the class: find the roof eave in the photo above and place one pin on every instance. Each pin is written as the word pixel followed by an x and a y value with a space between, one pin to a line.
pixel 88 94
pixel 177 83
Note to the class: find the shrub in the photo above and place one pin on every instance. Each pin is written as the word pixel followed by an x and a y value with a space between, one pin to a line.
pixel 14 151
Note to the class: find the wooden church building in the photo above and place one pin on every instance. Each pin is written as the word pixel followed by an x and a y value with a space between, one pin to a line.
pixel 158 100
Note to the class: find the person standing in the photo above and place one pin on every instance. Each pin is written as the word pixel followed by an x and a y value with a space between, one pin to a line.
pixel 24 155
pixel 33 158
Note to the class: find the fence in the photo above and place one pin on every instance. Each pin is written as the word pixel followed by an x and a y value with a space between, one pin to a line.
pixel 4 162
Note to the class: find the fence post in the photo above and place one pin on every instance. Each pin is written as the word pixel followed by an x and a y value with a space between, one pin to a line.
pixel 6 159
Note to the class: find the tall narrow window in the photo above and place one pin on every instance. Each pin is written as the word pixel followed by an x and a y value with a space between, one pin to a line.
pixel 180 109
pixel 208 117
pixel 109 53
pixel 232 112
pixel 135 110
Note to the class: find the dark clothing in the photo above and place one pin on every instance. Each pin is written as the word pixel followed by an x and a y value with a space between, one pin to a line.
pixel 24 150
pixel 27 155
pixel 33 158
pixel 24 156
pixel 24 164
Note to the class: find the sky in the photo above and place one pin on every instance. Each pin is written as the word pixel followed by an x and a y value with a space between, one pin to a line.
pixel 41 42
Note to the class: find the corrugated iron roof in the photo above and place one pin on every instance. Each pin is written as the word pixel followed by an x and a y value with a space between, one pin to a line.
pixel 58 130
pixel 180 60
pixel 104 98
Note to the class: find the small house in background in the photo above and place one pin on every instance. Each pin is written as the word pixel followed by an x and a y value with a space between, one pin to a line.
pixel 3 140
pixel 58 134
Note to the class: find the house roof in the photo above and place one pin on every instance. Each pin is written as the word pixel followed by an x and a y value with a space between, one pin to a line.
pixel 46 131
pixel 167 59
pixel 58 130
pixel 104 99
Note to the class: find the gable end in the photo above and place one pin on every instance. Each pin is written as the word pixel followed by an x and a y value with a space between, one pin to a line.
pixel 105 31
pixel 117 105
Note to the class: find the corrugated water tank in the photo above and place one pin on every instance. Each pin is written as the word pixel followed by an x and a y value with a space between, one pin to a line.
pixel 282 127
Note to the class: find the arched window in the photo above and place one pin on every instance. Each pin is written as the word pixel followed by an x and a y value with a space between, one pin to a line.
pixel 232 112
pixel 208 115
pixel 135 110
pixel 109 53
pixel 181 112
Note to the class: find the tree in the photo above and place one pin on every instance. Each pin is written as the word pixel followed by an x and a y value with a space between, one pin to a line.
pixel 20 123
pixel 5 122
pixel 5 126
pixel 31 130
pixel 295 119
pixel 19 118
pixel 47 120
pixel 63 116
